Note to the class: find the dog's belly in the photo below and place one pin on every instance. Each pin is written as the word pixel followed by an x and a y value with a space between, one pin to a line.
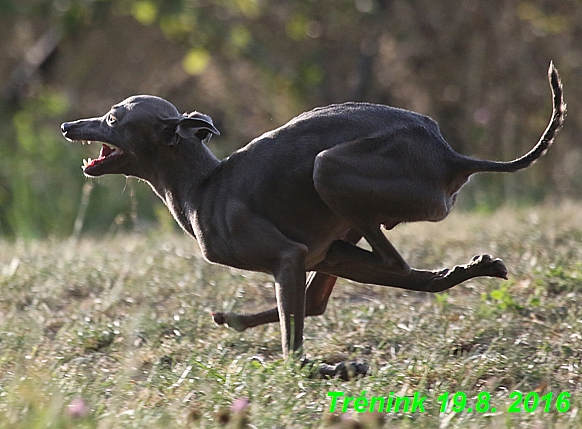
pixel 317 250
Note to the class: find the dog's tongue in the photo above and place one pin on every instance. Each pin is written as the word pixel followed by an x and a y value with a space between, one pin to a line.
pixel 105 151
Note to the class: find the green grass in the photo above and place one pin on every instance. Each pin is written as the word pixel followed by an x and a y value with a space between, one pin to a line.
pixel 115 332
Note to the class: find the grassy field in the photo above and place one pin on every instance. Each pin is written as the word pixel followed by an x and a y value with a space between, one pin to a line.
pixel 115 332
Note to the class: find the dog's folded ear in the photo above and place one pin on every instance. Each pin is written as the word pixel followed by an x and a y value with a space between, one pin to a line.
pixel 195 124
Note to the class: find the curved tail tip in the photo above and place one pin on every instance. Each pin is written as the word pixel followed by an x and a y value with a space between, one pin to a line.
pixel 556 85
pixel 554 76
pixel 552 66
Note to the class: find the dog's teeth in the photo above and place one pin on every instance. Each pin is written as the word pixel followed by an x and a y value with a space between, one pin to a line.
pixel 85 163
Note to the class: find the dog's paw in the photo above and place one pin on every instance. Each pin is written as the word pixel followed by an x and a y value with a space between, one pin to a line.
pixel 232 320
pixel 499 269
pixel 481 259
pixel 490 267
pixel 344 370
pixel 219 318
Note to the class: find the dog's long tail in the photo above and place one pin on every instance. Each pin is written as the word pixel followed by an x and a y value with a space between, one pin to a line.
pixel 558 113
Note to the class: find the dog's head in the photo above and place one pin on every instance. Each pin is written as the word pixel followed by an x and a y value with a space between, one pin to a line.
pixel 135 133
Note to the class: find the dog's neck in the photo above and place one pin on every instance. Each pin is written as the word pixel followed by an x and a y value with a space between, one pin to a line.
pixel 179 178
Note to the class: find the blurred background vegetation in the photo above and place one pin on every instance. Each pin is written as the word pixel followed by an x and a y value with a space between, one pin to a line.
pixel 477 66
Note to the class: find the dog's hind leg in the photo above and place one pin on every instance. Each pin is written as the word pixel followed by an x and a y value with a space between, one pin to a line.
pixel 340 262
pixel 385 180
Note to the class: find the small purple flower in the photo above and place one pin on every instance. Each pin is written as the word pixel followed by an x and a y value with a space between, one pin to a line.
pixel 77 409
pixel 239 405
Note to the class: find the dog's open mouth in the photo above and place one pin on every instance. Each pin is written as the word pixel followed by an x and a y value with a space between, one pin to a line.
pixel 107 153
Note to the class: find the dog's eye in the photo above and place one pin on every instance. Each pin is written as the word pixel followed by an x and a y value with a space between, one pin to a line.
pixel 111 120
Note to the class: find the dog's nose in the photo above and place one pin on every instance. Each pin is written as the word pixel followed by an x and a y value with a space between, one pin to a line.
pixel 65 127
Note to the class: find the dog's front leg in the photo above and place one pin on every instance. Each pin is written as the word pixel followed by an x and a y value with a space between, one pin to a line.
pixel 290 293
pixel 318 290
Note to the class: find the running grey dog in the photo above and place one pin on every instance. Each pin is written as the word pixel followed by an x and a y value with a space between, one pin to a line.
pixel 298 199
